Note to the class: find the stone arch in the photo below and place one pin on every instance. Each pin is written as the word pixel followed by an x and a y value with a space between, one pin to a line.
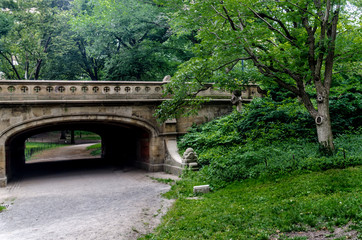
pixel 155 154
pixel 45 120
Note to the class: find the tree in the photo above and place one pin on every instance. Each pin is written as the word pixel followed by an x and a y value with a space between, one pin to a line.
pixel 26 45
pixel 128 39
pixel 40 44
pixel 293 43
pixel 5 26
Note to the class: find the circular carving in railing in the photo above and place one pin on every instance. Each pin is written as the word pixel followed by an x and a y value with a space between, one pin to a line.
pixel 11 89
pixel 106 89
pixel 84 89
pixel 61 89
pixel 147 89
pixel 117 89
pixel 49 89
pixel 138 89
pixel 157 89
pixel 37 89
pixel 24 89
pixel 73 89
pixel 95 89
pixel 127 89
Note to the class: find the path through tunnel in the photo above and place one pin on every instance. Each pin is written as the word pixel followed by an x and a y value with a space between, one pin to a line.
pixel 123 145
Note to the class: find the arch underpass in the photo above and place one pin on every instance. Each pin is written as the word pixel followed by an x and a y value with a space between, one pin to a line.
pixel 122 113
pixel 122 144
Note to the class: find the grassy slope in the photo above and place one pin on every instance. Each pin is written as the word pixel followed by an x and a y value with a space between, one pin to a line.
pixel 97 149
pixel 257 209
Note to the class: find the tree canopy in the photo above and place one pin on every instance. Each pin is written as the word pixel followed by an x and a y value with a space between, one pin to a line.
pixel 292 43
pixel 82 39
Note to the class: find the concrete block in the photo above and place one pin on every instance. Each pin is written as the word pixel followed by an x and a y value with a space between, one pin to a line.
pixel 202 189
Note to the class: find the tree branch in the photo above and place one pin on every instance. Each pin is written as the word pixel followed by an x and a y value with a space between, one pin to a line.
pixel 304 10
pixel 332 35
pixel 281 24
pixel 266 71
pixel 232 24
pixel 231 62
pixel 11 64
pixel 121 42
pixel 272 28
pixel 219 13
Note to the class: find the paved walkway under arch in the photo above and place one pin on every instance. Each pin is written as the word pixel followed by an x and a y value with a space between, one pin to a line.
pixel 81 200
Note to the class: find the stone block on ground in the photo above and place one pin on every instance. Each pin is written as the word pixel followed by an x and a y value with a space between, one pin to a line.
pixel 202 189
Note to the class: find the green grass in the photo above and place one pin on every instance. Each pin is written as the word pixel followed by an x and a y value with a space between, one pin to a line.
pixel 97 149
pixel 85 135
pixel 259 208
pixel 2 208
pixel 34 147
pixel 164 180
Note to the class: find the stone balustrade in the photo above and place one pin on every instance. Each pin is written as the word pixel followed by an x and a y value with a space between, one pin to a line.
pixel 19 90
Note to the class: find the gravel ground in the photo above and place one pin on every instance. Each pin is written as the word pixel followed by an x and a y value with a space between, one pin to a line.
pixel 83 200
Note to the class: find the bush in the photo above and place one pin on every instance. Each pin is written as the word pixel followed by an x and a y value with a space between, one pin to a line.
pixel 345 110
pixel 251 161
pixel 271 138
pixel 261 120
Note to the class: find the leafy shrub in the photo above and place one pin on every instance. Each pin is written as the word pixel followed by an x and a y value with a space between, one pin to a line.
pixel 271 138
pixel 345 110
pixel 262 120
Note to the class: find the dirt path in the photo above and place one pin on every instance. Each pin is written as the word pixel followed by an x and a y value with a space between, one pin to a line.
pixel 78 151
pixel 83 200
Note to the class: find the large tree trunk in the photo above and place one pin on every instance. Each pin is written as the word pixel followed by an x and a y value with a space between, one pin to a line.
pixel 324 128
pixel 321 117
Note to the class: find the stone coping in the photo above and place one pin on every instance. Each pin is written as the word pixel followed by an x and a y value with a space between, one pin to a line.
pixel 44 90
pixel 34 82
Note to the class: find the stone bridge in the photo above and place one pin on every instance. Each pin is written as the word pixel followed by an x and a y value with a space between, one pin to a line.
pixel 120 112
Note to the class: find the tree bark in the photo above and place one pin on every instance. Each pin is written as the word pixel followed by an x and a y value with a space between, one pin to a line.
pixel 324 127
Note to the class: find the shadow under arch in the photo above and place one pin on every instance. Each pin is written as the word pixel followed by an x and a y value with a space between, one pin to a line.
pixel 125 140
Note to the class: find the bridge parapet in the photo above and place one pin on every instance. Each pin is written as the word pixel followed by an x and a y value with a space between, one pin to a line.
pixel 96 90
pixel 78 90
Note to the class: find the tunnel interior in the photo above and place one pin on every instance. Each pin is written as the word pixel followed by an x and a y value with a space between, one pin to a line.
pixel 122 145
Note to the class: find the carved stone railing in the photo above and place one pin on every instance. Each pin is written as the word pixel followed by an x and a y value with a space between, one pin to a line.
pixel 18 90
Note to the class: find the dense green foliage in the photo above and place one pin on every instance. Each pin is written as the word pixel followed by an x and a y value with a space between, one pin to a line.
pixel 86 135
pixel 299 45
pixel 83 39
pixel 267 175
pixel 270 137
pixel 130 38
pixel 265 41
pixel 260 209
